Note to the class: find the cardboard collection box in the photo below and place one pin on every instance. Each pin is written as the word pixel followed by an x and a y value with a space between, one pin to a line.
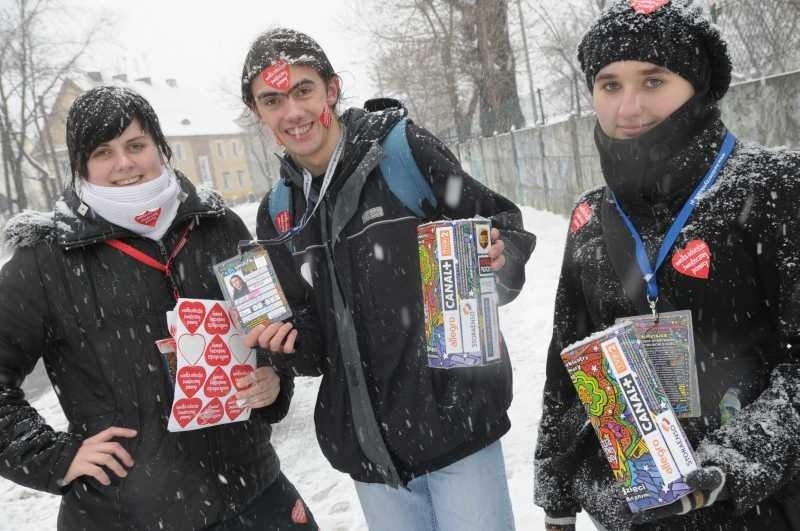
pixel 459 295
pixel 639 432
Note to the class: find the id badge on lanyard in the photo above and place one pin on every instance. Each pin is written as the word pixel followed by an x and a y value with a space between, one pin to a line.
pixel 669 341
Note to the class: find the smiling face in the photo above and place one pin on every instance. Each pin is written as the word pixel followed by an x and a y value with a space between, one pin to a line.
pixel 632 97
pixel 131 158
pixel 296 115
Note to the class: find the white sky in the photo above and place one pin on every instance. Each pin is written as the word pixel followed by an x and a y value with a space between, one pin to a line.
pixel 204 43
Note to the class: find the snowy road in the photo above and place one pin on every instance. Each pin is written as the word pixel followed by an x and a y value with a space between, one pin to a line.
pixel 526 324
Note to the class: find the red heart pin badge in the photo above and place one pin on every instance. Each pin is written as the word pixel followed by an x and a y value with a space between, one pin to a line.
pixel 191 314
pixel 299 515
pixel 185 410
pixel 217 384
pixel 326 117
pixel 191 347
pixel 218 352
pixel 232 408
pixel 276 75
pixel 283 221
pixel 238 372
pixel 694 260
pixel 211 414
pixel 645 7
pixel 580 217
pixel 148 217
pixel 217 321
pixel 190 379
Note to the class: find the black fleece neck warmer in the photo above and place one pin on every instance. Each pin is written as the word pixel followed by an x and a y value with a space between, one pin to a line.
pixel 657 171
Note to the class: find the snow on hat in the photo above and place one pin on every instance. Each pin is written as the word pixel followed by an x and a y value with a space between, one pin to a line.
pixel 286 45
pixel 102 114
pixel 672 34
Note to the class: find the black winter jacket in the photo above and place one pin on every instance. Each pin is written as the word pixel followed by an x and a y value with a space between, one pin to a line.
pixel 93 314
pixel 428 418
pixel 746 315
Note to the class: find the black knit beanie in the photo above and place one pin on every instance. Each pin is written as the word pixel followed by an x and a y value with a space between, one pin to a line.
pixel 673 34
pixel 287 45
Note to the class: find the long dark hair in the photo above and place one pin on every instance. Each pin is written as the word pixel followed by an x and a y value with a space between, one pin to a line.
pixel 102 114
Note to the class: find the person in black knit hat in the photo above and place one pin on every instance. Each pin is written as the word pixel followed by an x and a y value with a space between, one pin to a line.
pixel 657 70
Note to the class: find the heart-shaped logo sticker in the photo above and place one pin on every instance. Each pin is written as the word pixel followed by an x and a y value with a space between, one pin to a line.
pixel 217 384
pixel 191 347
pixel 217 321
pixel 645 7
pixel 218 352
pixel 238 372
pixel 211 414
pixel 232 409
pixel 185 410
pixel 190 379
pixel 191 314
pixel 276 75
pixel 580 217
pixel 148 217
pixel 694 260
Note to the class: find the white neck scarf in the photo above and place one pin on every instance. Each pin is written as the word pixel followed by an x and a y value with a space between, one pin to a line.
pixel 146 209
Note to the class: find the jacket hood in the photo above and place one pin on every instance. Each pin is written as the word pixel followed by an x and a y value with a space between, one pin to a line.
pixel 69 228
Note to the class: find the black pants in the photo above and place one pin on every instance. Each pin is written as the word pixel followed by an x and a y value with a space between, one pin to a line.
pixel 278 508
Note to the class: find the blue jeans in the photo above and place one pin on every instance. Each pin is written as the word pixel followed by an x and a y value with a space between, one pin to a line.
pixel 469 495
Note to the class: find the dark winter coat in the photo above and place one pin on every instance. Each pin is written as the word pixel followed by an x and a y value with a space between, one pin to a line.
pixel 428 418
pixel 746 319
pixel 93 314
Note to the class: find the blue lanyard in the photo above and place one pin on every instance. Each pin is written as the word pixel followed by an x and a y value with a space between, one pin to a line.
pixel 649 272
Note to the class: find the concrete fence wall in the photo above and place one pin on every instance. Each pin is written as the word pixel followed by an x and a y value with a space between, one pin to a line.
pixel 548 166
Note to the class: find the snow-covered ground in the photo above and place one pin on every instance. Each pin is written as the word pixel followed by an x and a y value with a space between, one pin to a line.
pixel 526 324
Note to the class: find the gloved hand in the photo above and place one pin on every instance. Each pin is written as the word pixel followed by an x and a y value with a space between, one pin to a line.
pixel 709 484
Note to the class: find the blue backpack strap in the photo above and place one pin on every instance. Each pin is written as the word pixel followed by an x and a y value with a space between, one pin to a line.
pixel 401 173
pixel 280 206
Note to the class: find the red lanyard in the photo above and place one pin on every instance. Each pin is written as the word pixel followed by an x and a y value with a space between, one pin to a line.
pixel 148 260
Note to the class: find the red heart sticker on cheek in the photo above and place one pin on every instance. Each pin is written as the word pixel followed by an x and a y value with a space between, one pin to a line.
pixel 232 409
pixel 148 217
pixel 218 352
pixel 190 379
pixel 326 117
pixel 211 414
pixel 191 315
pixel 694 260
pixel 276 75
pixel 185 410
pixel 645 7
pixel 217 384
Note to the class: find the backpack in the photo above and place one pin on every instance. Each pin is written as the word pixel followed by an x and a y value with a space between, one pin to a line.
pixel 399 170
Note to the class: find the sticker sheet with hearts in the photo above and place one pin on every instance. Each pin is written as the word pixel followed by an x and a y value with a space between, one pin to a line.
pixel 211 359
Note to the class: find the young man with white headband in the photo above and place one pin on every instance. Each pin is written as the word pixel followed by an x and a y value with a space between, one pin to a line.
pixel 422 445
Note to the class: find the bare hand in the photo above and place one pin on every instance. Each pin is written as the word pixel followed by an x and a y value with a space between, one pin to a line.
pixel 264 386
pixel 275 337
pixel 496 250
pixel 99 452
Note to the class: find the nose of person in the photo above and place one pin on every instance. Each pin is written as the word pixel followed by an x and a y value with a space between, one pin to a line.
pixel 630 105
pixel 123 162
pixel 294 110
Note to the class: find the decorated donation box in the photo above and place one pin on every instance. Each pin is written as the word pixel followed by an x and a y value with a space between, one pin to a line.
pixel 459 296
pixel 208 356
pixel 639 432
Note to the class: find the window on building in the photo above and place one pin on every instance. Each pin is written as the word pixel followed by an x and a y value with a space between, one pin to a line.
pixel 235 148
pixel 220 150
pixel 177 147
pixel 240 175
pixel 226 180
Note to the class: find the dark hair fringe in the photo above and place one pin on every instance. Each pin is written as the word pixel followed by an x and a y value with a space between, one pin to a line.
pixel 102 114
